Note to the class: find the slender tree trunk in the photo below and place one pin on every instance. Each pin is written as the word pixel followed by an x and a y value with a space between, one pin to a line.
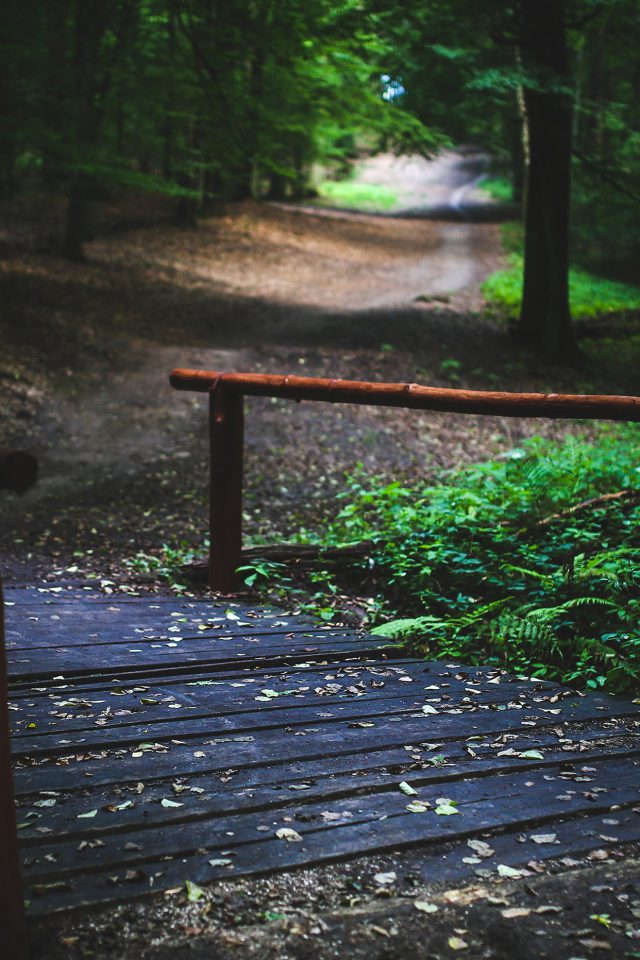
pixel 545 318
pixel 56 91
pixel 188 205
pixel 90 26
pixel 8 101
pixel 168 132
pixel 76 218
pixel 521 181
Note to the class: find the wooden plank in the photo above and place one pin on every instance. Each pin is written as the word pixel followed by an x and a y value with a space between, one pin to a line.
pixel 203 796
pixel 120 657
pixel 65 712
pixel 61 592
pixel 285 711
pixel 33 616
pixel 174 664
pixel 44 637
pixel 399 758
pixel 263 747
pixel 205 792
pixel 368 829
pixel 440 861
pixel 150 673
pixel 218 827
pixel 446 676
pixel 245 675
pixel 242 715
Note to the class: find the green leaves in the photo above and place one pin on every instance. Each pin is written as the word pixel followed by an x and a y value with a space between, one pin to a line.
pixel 407 789
pixel 194 892
pixel 497 565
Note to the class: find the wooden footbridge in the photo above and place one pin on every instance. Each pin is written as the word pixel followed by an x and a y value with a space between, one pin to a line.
pixel 158 740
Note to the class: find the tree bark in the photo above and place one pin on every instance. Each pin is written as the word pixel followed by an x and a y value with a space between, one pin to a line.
pixel 545 318
pixel 90 26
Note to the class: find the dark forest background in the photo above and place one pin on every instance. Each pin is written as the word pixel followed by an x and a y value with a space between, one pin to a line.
pixel 213 100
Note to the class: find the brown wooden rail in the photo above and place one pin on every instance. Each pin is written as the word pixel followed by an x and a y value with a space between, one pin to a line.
pixel 226 424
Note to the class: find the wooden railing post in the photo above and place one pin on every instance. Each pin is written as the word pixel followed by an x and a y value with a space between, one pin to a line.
pixel 226 435
pixel 227 390
pixel 13 924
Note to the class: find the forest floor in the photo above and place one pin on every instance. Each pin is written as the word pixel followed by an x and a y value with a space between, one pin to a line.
pixel 87 350
pixel 123 461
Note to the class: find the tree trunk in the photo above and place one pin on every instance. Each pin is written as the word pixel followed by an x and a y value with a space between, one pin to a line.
pixel 188 204
pixel 76 218
pixel 545 318
pixel 56 91
pixel 90 26
pixel 277 186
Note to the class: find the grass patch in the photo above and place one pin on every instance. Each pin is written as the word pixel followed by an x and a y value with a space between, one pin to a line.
pixel 590 296
pixel 357 196
pixel 498 188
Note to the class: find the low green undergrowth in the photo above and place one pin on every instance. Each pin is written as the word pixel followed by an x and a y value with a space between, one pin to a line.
pixel 506 563
pixel 529 562
pixel 357 196
pixel 590 296
pixel 167 563
pixel 499 188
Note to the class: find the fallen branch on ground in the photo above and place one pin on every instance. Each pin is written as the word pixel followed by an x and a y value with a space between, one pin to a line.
pixel 286 553
pixel 632 496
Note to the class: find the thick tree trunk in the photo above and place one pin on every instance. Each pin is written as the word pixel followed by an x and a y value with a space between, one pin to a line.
pixel 545 318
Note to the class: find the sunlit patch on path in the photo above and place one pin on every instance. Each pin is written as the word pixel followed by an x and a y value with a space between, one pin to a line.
pixel 161 740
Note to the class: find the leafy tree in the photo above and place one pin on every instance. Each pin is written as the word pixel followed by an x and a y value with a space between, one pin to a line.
pixel 196 98
pixel 202 99
pixel 537 82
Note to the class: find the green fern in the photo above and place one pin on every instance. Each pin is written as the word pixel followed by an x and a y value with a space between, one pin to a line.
pixel 512 628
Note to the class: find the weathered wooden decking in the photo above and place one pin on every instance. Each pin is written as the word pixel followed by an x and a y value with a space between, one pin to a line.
pixel 160 740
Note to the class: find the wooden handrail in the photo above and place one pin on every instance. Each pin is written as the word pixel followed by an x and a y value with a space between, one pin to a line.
pixel 226 420
pixel 412 395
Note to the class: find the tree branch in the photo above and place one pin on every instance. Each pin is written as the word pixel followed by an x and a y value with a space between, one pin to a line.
pixel 631 496
pixel 605 175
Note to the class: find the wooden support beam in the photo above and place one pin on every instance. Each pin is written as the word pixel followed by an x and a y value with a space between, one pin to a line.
pixel 13 925
pixel 226 434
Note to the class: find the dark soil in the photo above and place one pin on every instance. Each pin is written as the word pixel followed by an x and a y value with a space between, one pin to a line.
pixel 123 463
pixel 87 350
pixel 569 909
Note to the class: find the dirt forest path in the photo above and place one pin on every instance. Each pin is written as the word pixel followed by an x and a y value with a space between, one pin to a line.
pixel 263 287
